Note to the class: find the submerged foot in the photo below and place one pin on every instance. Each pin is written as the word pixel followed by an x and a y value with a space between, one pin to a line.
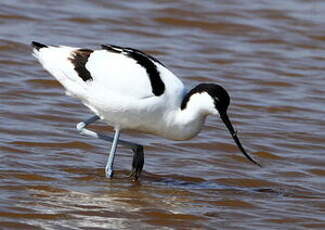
pixel 109 172
pixel 137 162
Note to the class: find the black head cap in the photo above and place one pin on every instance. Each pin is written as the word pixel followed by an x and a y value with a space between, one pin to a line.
pixel 218 93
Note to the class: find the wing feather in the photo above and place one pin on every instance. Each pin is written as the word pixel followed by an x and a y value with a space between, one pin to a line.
pixel 113 71
pixel 117 73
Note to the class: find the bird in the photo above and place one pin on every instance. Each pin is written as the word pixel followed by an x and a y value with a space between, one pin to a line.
pixel 131 90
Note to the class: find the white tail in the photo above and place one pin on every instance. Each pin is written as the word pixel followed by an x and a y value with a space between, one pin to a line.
pixel 56 60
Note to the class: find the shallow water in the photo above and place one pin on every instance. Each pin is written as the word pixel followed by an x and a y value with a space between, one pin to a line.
pixel 268 54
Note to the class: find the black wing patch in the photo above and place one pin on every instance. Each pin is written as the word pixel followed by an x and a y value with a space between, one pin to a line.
pixel 146 61
pixel 79 59
pixel 38 45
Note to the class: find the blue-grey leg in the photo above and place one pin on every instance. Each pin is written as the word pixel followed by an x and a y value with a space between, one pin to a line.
pixel 138 155
pixel 111 157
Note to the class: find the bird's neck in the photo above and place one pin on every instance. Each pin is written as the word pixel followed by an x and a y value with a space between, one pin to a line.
pixel 186 121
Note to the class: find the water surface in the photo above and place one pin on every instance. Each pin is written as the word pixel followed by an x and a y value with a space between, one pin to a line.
pixel 268 54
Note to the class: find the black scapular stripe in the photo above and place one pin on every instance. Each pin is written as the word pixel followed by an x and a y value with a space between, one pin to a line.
pixel 79 59
pixel 158 87
pixel 147 62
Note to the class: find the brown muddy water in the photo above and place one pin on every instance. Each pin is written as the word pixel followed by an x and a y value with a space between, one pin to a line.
pixel 270 56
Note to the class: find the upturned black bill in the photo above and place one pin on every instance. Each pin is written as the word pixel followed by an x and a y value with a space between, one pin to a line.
pixel 233 133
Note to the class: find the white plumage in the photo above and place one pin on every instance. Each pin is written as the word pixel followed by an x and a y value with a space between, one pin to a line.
pixel 131 90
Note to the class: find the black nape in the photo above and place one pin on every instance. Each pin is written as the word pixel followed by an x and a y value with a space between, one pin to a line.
pixel 217 92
